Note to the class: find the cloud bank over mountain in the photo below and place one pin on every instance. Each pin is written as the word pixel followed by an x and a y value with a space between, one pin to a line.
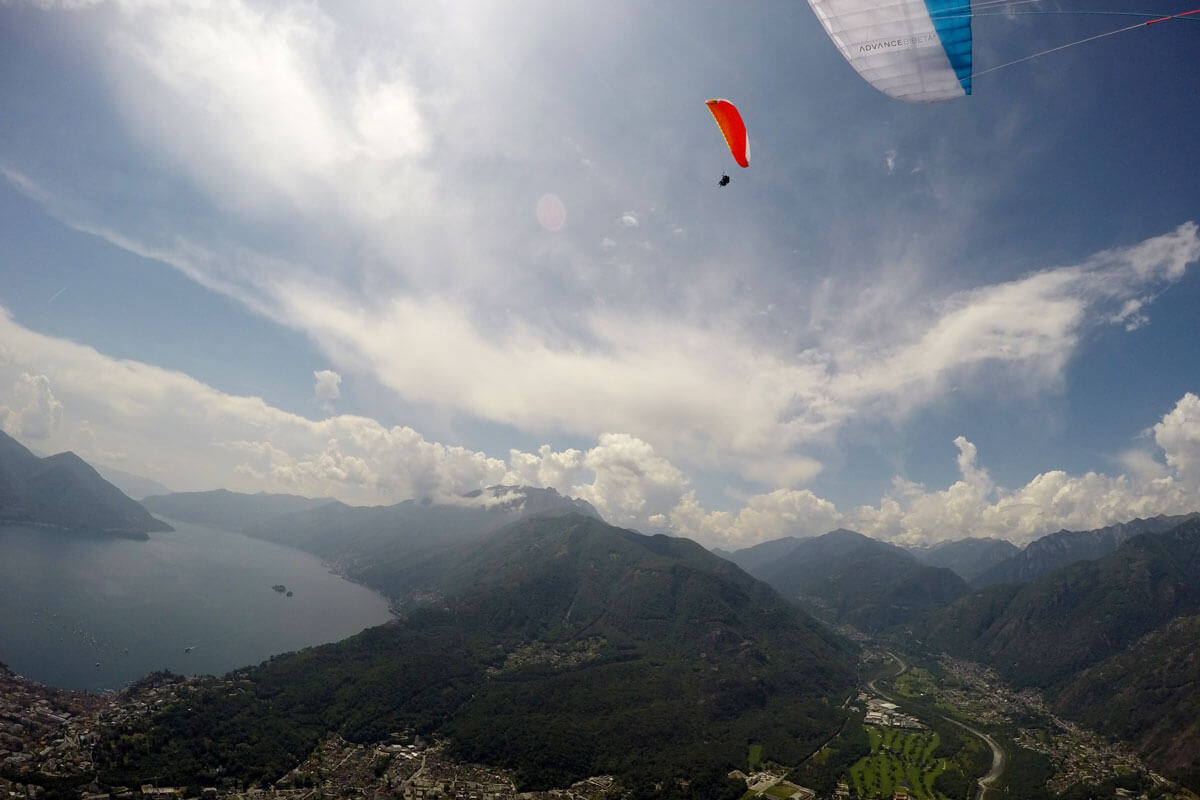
pixel 170 426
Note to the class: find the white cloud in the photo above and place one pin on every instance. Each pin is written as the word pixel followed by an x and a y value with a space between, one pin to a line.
pixel 168 426
pixel 1052 500
pixel 1023 330
pixel 52 5
pixel 1178 434
pixel 545 468
pixel 359 181
pixel 974 506
pixel 32 412
pixel 327 387
pixel 783 512
pixel 171 426
pixel 275 130
pixel 708 393
pixel 332 143
pixel 629 479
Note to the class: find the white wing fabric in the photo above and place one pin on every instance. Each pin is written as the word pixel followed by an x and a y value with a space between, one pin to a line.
pixel 914 50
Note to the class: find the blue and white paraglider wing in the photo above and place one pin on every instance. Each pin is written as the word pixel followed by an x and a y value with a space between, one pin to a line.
pixel 914 50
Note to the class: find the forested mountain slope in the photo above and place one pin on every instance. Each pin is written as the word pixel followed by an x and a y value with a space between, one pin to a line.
pixel 561 647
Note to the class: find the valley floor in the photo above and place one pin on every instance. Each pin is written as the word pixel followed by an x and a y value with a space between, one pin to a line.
pixel 47 735
pixel 974 698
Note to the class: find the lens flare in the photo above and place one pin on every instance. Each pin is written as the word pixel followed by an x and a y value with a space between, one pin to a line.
pixel 551 213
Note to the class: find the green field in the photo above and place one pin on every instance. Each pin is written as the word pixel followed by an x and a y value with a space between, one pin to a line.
pixel 898 758
pixel 915 683
pixel 754 758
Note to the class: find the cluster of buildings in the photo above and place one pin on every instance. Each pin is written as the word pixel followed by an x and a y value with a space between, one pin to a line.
pixel 559 656
pixel 48 733
pixel 412 769
pixel 42 730
pixel 767 783
pixel 1080 756
pixel 881 712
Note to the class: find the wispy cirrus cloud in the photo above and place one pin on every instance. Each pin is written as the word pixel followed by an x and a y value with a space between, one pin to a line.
pixel 712 395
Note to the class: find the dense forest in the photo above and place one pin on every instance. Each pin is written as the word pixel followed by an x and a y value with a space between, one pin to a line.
pixel 642 657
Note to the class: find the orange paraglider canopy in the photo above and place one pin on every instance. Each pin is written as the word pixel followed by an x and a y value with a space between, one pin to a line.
pixel 734 130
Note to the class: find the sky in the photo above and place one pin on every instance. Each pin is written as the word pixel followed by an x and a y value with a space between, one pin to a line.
pixel 391 250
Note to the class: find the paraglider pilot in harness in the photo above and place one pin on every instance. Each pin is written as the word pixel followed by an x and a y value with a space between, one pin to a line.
pixel 734 130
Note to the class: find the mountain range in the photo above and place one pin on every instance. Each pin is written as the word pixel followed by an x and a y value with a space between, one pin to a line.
pixel 1107 640
pixel 968 558
pixel 395 549
pixel 231 511
pixel 64 492
pixel 561 647
pixel 851 579
pixel 1061 549
pixel 1103 622
pixel 527 619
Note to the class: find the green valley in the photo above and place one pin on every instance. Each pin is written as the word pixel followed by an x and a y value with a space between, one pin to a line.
pixel 899 760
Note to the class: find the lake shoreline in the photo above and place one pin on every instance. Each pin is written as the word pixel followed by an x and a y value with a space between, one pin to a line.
pixel 94 614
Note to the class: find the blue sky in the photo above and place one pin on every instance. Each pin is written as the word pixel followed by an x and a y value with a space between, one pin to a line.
pixel 381 250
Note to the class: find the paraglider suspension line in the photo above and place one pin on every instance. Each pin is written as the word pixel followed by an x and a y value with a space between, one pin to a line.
pixel 1056 49
pixel 1081 41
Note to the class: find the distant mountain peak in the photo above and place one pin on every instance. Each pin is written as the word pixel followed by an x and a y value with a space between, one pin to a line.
pixel 969 558
pixel 1062 548
pixel 852 579
pixel 845 533
pixel 64 491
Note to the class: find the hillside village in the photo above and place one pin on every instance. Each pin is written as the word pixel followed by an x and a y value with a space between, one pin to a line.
pixel 47 736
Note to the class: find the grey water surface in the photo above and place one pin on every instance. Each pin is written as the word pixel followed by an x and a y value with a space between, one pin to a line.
pixel 96 613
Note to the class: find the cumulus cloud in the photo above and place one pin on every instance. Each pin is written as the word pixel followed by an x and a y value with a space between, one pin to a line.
pixel 783 512
pixel 327 388
pixel 1178 434
pixel 629 479
pixel 32 412
pixel 174 427
pixel 546 467
pixel 974 506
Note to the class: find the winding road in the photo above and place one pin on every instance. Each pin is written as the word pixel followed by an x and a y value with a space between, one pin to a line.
pixel 987 781
pixel 901 671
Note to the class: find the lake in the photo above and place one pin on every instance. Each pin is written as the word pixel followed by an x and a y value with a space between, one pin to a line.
pixel 95 613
